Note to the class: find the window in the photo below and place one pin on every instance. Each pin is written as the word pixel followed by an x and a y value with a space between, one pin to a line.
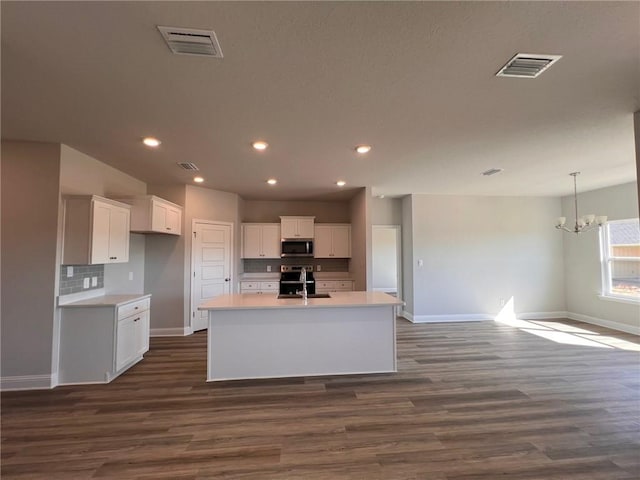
pixel 620 242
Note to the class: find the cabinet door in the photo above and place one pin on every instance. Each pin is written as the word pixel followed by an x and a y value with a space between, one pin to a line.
pixel 289 228
pixel 118 235
pixel 322 242
pixel 251 241
pixel 305 227
pixel 100 233
pixel 341 241
pixel 158 216
pixel 126 342
pixel 173 221
pixel 271 241
pixel 142 333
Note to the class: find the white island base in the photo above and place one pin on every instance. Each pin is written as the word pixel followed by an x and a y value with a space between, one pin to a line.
pixel 259 336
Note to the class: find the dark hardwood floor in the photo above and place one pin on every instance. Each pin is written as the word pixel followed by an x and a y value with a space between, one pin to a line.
pixel 471 401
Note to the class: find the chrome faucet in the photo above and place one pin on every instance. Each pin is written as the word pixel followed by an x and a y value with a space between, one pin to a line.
pixel 303 279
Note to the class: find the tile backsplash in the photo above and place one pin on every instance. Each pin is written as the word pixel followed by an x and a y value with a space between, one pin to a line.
pixel 258 265
pixel 75 283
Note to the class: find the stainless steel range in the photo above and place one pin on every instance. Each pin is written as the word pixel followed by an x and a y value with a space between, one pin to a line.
pixel 290 281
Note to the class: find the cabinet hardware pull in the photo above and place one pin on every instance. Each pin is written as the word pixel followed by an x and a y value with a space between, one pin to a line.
pixel 168 228
pixel 136 319
pixel 135 308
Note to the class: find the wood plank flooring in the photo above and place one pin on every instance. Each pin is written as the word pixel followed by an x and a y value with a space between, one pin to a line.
pixel 471 401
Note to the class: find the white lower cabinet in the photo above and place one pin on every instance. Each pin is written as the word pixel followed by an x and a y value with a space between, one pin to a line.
pixel 99 340
pixel 260 287
pixel 328 286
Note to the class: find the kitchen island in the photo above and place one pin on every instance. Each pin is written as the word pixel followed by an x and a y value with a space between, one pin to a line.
pixel 261 336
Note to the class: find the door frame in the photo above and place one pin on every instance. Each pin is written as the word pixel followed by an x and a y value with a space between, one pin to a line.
pixel 193 260
pixel 398 230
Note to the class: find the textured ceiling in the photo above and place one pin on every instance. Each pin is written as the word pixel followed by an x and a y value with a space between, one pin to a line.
pixel 415 80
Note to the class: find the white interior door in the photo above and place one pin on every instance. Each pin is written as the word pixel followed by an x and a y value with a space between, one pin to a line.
pixel 211 254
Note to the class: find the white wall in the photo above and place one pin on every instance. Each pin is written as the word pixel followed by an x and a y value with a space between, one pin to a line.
pixel 384 258
pixel 478 250
pixel 30 206
pixel 360 265
pixel 582 258
pixel 270 211
pixel 386 211
pixel 407 254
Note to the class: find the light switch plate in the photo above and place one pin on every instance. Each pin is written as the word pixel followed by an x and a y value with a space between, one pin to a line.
pixel 69 271
pixel 94 281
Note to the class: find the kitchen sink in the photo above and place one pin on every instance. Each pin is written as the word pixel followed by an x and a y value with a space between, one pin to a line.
pixel 298 295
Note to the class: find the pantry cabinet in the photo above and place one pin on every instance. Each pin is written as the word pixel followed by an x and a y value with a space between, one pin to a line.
pixel 151 214
pixel 297 227
pixel 332 241
pixel 260 240
pixel 96 231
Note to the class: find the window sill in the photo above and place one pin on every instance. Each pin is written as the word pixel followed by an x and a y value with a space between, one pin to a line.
pixel 611 298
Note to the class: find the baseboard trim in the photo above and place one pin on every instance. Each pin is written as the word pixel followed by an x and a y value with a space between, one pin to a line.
pixel 622 327
pixel 462 317
pixel 26 382
pixel 542 315
pixel 170 332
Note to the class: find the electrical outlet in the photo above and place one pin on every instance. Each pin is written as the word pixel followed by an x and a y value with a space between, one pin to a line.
pixel 319 268
pixel 268 268
pixel 130 275
pixel 94 281
pixel 502 301
pixel 69 271
pixel 421 263
pixel 85 282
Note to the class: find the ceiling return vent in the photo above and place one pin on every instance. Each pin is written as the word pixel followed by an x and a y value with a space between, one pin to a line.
pixel 188 41
pixel 527 65
pixel 192 167
pixel 492 171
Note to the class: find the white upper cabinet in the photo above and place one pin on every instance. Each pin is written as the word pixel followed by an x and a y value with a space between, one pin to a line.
pixel 260 240
pixel 96 231
pixel 332 241
pixel 297 227
pixel 151 214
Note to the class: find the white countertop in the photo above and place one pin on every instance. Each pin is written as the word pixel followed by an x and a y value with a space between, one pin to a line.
pixel 265 301
pixel 105 301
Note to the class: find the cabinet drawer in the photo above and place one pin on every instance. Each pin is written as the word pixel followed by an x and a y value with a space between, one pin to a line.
pixel 344 286
pixel 134 307
pixel 244 286
pixel 325 285
pixel 270 286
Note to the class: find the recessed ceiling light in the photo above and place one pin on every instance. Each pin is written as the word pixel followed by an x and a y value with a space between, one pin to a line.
pixel 272 181
pixel 363 148
pixel 198 179
pixel 380 196
pixel 260 145
pixel 341 183
pixel 151 142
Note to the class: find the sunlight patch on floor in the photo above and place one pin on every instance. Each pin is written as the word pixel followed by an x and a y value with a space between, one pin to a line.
pixel 560 332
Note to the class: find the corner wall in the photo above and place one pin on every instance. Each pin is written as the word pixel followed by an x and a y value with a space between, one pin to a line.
pixel 30 205
pixel 582 259
pixel 361 244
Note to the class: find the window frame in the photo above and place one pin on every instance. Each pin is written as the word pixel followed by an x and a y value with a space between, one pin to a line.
pixel 606 261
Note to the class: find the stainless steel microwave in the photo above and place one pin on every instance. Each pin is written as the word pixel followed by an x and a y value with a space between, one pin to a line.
pixel 297 248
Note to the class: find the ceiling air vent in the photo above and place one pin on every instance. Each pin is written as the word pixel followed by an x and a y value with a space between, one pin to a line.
pixel 189 166
pixel 491 171
pixel 188 41
pixel 527 65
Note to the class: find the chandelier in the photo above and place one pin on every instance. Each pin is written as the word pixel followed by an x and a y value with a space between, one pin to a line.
pixel 584 223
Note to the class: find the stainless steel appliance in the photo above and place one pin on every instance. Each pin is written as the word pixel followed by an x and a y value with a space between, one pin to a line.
pixel 290 281
pixel 297 248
